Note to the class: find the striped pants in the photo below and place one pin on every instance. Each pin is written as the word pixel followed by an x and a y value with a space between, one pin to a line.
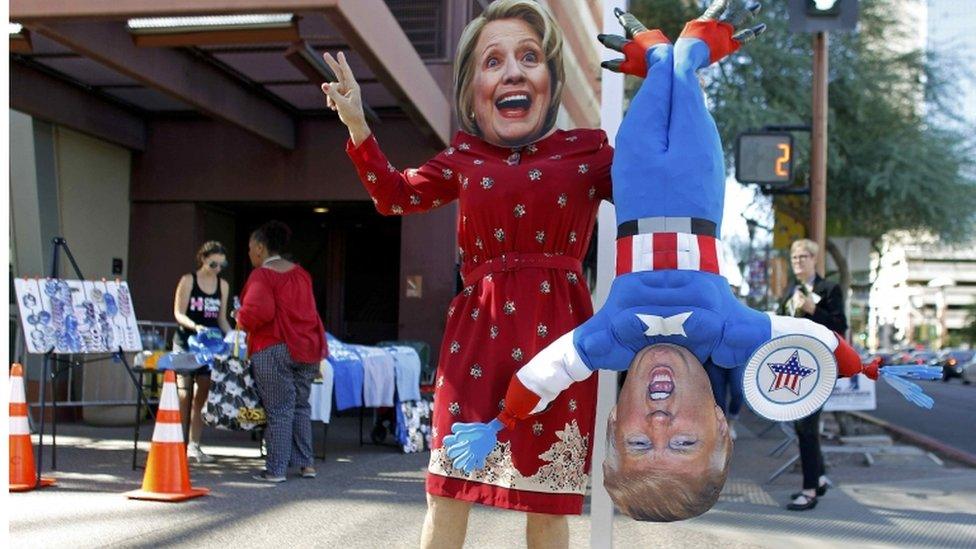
pixel 284 386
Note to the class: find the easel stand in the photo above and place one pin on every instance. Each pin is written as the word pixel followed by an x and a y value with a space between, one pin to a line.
pixel 61 365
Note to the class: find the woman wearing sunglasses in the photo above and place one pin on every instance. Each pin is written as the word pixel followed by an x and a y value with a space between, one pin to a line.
pixel 200 305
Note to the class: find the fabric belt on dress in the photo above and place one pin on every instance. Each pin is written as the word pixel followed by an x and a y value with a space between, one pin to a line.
pixel 514 261
pixel 667 243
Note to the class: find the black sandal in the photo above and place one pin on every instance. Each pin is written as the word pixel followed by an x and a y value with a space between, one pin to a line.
pixel 808 503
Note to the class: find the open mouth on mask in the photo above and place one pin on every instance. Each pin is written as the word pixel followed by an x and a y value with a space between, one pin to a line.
pixel 662 383
pixel 513 105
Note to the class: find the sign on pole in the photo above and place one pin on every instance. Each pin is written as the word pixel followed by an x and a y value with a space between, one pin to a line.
pixel 822 15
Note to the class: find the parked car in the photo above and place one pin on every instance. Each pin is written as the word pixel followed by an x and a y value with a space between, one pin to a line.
pixel 955 362
pixel 914 356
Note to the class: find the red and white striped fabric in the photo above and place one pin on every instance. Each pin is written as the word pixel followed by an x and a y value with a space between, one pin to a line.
pixel 667 251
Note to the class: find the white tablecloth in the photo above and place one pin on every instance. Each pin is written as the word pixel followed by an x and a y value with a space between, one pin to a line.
pixel 321 396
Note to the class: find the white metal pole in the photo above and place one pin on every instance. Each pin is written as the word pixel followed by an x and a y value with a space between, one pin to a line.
pixel 611 113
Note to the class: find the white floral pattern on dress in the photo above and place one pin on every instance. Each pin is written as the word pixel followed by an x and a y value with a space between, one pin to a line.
pixel 592 193
pixel 562 200
pixel 542 330
pixel 454 408
pixel 478 162
pixel 556 157
pixel 468 290
pixel 464 181
pixel 545 287
pixel 501 404
pixel 572 237
pixel 509 307
pixel 493 332
pixel 500 235
pixel 371 177
pixel 519 210
pixel 435 202
pixel 476 371
pixel 450 311
pixel 573 278
pixel 449 151
pixel 396 209
pixel 474 313
pixel 440 381
pixel 572 405
pixel 583 168
pixel 455 347
pixel 532 149
pixel 563 471
pixel 447 173
pixel 537 428
pixel 535 174
pixel 540 236
pixel 517 354
pixel 487 183
pixel 478 243
pixel 463 146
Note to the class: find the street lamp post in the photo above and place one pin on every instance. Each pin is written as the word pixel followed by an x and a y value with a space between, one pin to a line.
pixel 940 284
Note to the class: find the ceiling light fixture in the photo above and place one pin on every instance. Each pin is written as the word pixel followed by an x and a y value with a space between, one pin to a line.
pixel 214 29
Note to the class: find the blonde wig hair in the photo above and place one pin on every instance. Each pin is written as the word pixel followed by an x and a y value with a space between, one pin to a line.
pixel 542 22
pixel 662 496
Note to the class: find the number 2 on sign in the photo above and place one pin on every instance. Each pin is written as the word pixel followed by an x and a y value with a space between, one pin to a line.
pixel 784 157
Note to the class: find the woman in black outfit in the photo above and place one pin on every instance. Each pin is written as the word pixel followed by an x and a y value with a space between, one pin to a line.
pixel 200 304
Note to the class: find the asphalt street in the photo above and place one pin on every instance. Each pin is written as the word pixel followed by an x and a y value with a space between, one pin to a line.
pixel 950 421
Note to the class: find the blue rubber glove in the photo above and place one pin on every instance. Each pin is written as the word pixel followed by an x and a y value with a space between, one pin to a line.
pixel 469 445
pixel 896 377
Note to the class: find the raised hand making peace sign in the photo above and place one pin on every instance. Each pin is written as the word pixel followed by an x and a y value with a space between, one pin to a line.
pixel 344 97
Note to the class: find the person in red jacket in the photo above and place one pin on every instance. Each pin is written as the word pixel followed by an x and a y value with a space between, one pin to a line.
pixel 286 340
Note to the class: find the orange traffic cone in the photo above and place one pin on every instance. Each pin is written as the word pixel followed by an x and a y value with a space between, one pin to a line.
pixel 167 475
pixel 23 475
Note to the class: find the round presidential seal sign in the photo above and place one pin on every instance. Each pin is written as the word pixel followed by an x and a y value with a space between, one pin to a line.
pixel 789 377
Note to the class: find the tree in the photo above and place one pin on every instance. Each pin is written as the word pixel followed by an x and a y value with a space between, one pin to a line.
pixel 889 166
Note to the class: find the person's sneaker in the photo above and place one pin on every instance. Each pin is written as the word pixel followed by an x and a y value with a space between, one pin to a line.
pixel 307 472
pixel 193 451
pixel 263 476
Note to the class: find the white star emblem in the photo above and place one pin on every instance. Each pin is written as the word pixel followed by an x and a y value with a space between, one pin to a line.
pixel 665 326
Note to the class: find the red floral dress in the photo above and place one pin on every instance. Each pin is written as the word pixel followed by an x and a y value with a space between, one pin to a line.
pixel 526 216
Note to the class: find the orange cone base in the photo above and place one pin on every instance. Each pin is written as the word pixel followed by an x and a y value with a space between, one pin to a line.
pixel 159 496
pixel 167 475
pixel 45 482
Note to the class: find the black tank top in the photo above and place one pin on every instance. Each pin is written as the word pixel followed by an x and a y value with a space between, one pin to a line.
pixel 203 309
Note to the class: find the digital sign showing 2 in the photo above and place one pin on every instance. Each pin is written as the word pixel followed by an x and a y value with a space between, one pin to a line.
pixel 764 158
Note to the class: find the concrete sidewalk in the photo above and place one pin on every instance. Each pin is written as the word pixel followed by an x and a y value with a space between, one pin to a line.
pixel 372 496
